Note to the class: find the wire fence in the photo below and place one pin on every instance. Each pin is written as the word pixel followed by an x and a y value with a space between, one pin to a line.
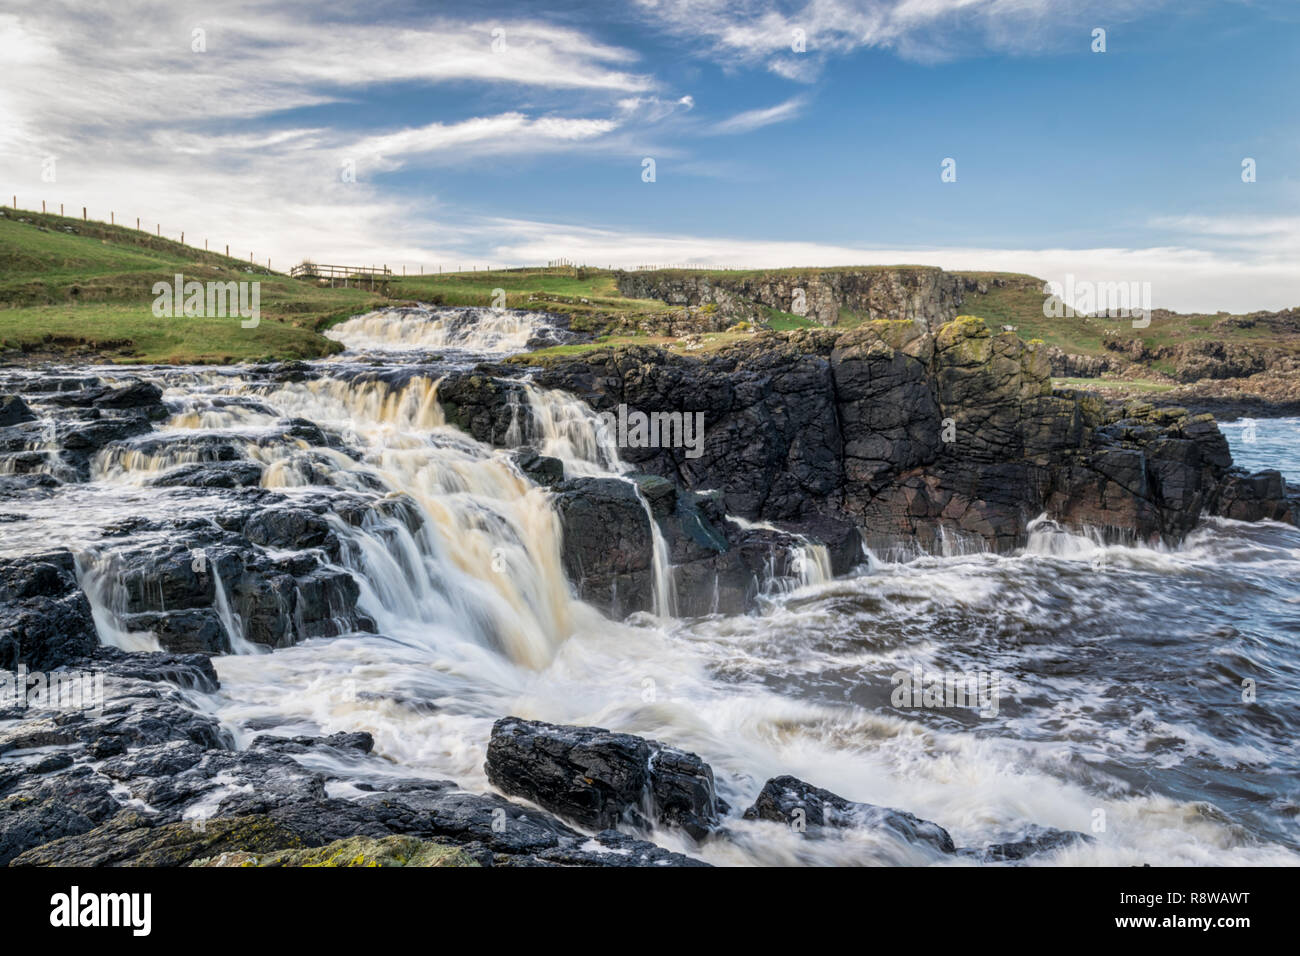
pixel 372 273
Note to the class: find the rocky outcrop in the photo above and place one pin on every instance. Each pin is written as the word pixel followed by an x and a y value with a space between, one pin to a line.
pixel 1262 496
pixel 1065 364
pixel 925 295
pixel 73 783
pixel 911 436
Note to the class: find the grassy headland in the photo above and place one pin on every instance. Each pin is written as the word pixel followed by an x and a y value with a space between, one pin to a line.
pixel 82 291
pixel 79 290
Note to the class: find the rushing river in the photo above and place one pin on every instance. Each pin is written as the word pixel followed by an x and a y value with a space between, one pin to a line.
pixel 1123 675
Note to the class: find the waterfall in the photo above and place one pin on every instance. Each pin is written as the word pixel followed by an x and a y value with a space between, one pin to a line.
pixel 572 432
pixel 230 621
pixel 100 579
pixel 468 329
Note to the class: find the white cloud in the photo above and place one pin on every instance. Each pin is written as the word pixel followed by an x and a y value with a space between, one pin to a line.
pixel 756 119
pixel 763 31
pixel 505 132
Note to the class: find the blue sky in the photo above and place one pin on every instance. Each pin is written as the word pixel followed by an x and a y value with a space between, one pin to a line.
pixel 1122 165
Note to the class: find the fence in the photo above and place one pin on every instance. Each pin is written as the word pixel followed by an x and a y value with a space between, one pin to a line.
pixel 371 273
pixel 112 221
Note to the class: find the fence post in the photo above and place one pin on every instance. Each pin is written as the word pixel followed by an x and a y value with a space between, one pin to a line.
pixel 60 209
pixel 137 223
pixel 182 238
pixel 83 213
pixel 42 207
pixel 227 250
pixel 112 218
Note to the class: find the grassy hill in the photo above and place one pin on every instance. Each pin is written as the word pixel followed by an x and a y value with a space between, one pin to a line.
pixel 78 289
pixel 1018 300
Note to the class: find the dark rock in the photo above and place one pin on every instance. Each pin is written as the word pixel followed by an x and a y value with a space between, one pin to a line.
pixel 14 411
pixel 232 474
pixel 600 779
pixel 1030 841
pixel 140 396
pixel 608 545
pixel 131 839
pixel 45 619
pixel 542 469
pixel 788 800
pixel 1258 497
pixel 47 808
pixel 288 528
pixel 195 631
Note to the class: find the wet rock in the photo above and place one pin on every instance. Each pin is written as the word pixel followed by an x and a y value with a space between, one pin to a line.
pixel 187 671
pixel 45 619
pixel 129 839
pixel 599 779
pixel 608 544
pixel 195 631
pixel 1256 497
pixel 132 712
pixel 233 474
pixel 485 407
pixel 278 597
pixel 360 741
pixel 542 469
pixel 14 411
pixel 912 435
pixel 47 809
pixel 1028 842
pixel 144 397
pixel 288 528
pixel 786 800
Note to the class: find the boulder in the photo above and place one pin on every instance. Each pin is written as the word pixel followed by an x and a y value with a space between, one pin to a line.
pixel 789 800
pixel 599 779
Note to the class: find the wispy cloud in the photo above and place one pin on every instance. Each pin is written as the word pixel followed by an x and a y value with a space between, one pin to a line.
pixel 793 39
pixel 504 132
pixel 756 119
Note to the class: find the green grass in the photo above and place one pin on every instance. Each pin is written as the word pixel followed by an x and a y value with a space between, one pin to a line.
pixel 780 321
pixel 85 288
pixel 74 287
pixel 589 297
pixel 1135 385
pixel 1020 303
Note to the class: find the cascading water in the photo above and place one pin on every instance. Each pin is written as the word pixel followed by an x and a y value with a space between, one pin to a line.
pixel 457 560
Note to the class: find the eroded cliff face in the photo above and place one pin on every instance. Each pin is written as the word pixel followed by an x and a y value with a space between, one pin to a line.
pixel 925 295
pixel 915 436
